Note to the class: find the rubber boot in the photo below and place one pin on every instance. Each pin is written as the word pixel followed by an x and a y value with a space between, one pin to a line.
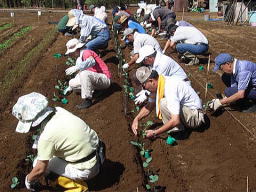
pixel 85 104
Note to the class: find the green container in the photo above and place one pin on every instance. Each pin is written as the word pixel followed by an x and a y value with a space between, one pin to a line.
pixel 209 86
pixel 64 101
pixel 170 140
pixel 146 154
pixel 201 68
pixel 57 55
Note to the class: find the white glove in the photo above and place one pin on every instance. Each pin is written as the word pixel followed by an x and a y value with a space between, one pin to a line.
pixel 68 89
pixel 125 66
pixel 71 70
pixel 215 104
pixel 29 184
pixel 141 96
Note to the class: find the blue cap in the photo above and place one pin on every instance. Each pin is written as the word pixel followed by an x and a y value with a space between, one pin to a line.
pixel 222 59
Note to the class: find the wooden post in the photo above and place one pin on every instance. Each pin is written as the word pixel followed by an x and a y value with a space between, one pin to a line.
pixel 207 74
pixel 182 14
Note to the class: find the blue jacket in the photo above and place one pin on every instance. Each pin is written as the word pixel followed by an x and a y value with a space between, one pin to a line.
pixel 244 75
pixel 135 25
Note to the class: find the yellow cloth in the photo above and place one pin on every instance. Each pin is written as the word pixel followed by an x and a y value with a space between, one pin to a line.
pixel 160 94
pixel 71 185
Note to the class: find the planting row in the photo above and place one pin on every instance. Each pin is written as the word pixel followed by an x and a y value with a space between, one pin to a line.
pixel 14 38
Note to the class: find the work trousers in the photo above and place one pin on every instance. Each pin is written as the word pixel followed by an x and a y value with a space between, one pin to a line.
pixel 89 81
pixel 191 48
pixel 191 118
pixel 100 41
pixel 63 168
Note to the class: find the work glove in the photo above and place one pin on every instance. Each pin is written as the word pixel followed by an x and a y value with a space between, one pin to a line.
pixel 71 70
pixel 141 96
pixel 214 104
pixel 29 184
pixel 125 66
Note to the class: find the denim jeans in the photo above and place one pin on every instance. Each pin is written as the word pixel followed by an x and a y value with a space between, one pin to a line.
pixel 250 92
pixel 100 41
pixel 194 49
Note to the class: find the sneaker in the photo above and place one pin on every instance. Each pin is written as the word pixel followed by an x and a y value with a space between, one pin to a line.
pixel 194 61
pixel 85 104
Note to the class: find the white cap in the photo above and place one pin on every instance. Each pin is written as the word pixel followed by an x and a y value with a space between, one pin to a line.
pixel 126 32
pixel 30 110
pixel 143 73
pixel 145 51
pixel 72 45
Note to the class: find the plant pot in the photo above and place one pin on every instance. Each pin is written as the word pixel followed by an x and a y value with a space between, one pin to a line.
pixel 170 140
pixel 147 154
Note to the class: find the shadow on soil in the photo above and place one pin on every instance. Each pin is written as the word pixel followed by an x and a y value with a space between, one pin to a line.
pixel 102 94
pixel 104 180
pixel 113 60
pixel 186 134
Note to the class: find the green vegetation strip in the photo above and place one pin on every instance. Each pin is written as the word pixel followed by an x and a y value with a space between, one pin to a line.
pixel 8 43
pixel 20 70
pixel 5 26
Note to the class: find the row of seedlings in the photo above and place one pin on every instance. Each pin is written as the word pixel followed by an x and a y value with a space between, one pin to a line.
pixel 151 178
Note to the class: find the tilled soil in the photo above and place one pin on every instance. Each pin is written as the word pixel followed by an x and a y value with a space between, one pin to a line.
pixel 220 158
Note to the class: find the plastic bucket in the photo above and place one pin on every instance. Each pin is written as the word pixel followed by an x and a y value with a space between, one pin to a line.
pixel 252 16
pixel 206 17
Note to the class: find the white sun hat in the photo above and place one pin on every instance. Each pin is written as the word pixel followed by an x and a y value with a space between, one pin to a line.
pixel 145 51
pixel 72 45
pixel 30 110
pixel 142 74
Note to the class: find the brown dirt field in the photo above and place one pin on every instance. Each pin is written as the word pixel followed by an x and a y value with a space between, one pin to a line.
pixel 217 159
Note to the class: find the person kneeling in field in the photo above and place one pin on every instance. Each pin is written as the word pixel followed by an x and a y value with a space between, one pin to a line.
pixel 177 103
pixel 188 41
pixel 240 81
pixel 67 146
pixel 93 72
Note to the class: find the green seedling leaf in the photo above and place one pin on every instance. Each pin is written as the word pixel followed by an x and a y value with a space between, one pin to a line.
pixel 148 187
pixel 137 108
pixel 55 99
pixel 136 143
pixel 34 137
pixel 57 87
pixel 145 164
pixel 153 178
pixel 142 152
pixel 149 123
pixel 30 158
pixel 131 89
pixel 15 182
pixel 148 160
